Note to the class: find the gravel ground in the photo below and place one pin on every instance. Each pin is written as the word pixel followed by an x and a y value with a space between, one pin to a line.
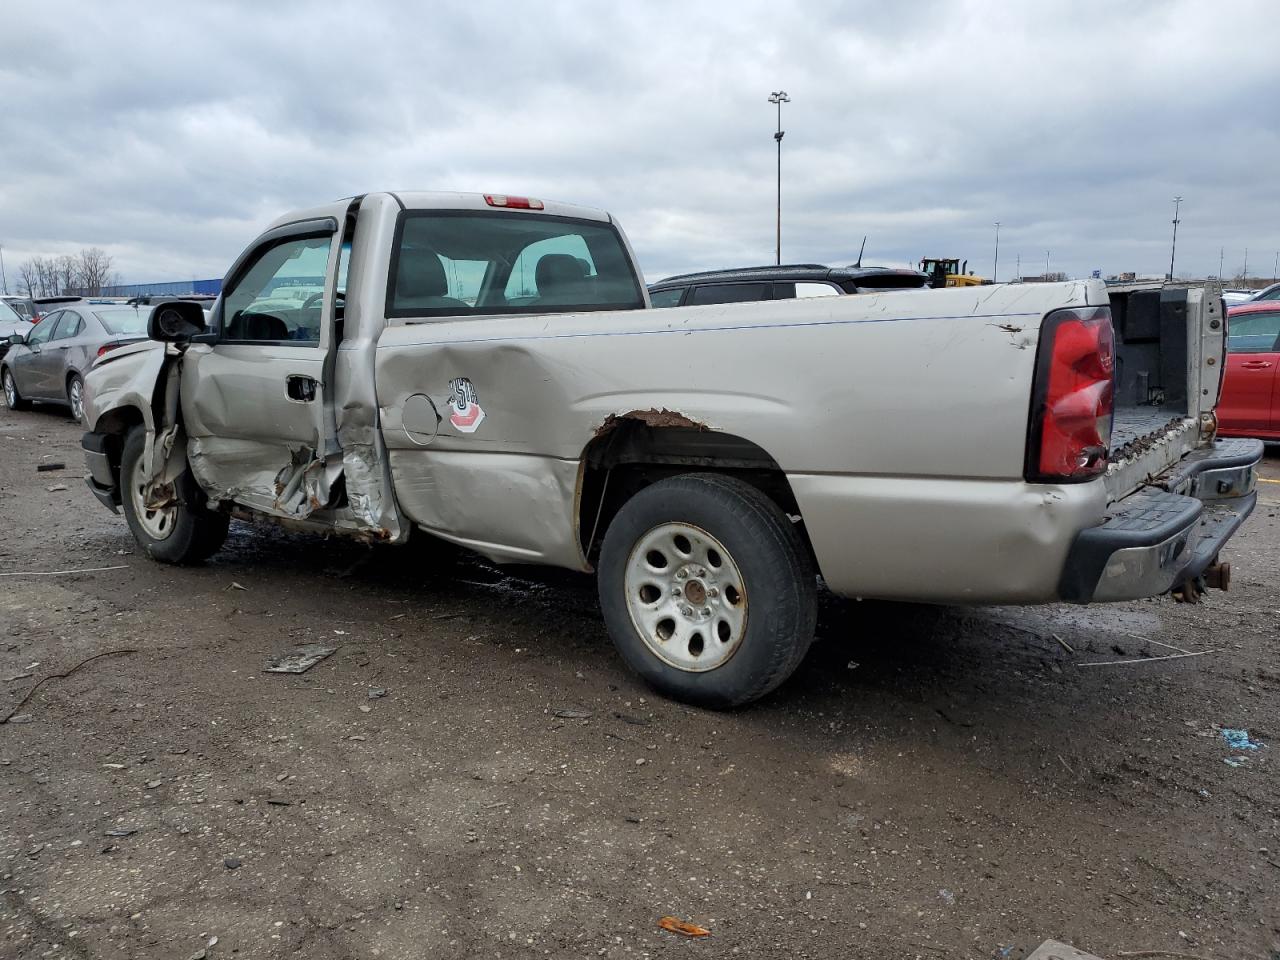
pixel 933 782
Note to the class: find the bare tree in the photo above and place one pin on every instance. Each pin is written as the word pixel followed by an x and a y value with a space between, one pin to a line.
pixel 94 270
pixel 46 276
pixel 67 271
pixel 28 278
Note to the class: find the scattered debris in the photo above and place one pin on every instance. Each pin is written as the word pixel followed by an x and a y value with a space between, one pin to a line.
pixel 365 708
pixel 232 863
pixel 35 851
pixel 853 665
pixel 1239 739
pixel 57 488
pixel 1112 663
pixel 277 802
pixel 398 616
pixel 634 721
pixel 1234 761
pixel 672 925
pixel 233 585
pixel 121 832
pixel 1156 953
pixel 14 717
pixel 63 573
pixel 1065 646
pixel 18 676
pixel 570 713
pixel 377 693
pixel 302 659
pixel 152 784
pixel 947 897
pixel 48 467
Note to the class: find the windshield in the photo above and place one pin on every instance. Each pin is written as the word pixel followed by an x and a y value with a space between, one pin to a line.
pixel 124 320
pixel 459 264
pixel 7 313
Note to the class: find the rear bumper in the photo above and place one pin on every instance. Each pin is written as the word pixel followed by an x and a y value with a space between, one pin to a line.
pixel 1167 533
pixel 102 479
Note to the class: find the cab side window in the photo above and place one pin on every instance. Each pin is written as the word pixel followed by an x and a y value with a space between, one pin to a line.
pixel 278 296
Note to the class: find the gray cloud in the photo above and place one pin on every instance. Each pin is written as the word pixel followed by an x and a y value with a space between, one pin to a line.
pixel 169 137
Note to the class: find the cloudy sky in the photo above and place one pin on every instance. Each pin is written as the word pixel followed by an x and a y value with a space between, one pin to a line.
pixel 169 134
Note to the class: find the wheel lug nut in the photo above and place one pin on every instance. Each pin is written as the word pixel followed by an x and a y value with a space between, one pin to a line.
pixel 706 611
pixel 713 592
pixel 687 611
pixel 681 574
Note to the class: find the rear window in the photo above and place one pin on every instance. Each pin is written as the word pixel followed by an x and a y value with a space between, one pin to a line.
pixel 7 313
pixel 1253 332
pixel 123 321
pixel 449 263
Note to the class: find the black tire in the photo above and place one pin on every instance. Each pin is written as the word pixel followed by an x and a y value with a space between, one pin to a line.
pixel 77 411
pixel 12 398
pixel 778 580
pixel 194 532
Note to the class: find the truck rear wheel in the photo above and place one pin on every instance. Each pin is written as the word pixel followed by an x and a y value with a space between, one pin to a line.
pixel 707 590
pixel 182 531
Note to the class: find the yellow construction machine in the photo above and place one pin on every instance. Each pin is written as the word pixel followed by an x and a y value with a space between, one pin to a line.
pixel 948 272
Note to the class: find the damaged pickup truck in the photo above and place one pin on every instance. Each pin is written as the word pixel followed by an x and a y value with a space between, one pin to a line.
pixel 484 369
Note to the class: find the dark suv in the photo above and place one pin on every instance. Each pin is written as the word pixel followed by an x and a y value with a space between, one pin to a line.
pixel 749 284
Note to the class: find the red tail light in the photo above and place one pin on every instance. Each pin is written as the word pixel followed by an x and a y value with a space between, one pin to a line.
pixel 106 347
pixel 1073 398
pixel 512 203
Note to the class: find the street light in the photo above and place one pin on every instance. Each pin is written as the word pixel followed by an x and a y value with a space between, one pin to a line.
pixel 1177 202
pixel 996 265
pixel 779 97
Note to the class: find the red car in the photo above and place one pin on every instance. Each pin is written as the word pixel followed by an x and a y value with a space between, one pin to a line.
pixel 1250 404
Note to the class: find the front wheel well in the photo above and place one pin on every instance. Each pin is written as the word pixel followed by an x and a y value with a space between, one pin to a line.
pixel 115 426
pixel 633 455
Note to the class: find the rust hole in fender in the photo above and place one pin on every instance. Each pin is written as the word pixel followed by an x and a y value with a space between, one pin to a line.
pixel 650 418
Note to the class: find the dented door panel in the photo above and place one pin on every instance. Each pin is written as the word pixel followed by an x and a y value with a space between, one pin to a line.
pixel 248 441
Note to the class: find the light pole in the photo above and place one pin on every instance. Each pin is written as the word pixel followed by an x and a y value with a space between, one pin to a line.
pixel 779 97
pixel 3 279
pixel 1275 268
pixel 1177 202
pixel 1245 278
pixel 995 266
pixel 1221 252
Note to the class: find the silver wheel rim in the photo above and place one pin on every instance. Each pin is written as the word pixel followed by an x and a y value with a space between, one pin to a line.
pixel 686 597
pixel 157 524
pixel 10 391
pixel 77 399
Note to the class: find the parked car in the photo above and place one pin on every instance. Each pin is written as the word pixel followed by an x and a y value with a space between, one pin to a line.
pixel 1235 296
pixel 796 281
pixel 1250 402
pixel 11 322
pixel 49 362
pixel 487 373
pixel 25 307
pixel 1270 293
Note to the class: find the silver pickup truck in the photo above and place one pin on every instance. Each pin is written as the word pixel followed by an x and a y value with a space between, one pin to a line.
pixel 484 369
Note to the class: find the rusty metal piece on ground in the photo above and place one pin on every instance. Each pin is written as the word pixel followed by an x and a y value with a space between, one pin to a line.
pixel 46 467
pixel 300 660
pixel 1217 576
pixel 674 925
pixel 1059 950
pixel 570 713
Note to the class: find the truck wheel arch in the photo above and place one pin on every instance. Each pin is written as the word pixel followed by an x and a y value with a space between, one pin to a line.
pixel 115 424
pixel 631 452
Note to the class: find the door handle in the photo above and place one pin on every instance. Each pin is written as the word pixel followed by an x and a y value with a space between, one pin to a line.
pixel 300 388
pixel 1256 365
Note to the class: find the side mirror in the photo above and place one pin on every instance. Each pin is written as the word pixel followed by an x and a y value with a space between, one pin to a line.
pixel 17 338
pixel 176 321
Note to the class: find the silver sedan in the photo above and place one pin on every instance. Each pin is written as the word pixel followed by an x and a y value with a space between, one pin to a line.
pixel 49 362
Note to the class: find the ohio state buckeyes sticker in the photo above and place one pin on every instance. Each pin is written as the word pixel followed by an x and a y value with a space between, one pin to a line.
pixel 464 406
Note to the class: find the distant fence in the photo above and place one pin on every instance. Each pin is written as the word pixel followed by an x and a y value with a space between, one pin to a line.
pixel 176 288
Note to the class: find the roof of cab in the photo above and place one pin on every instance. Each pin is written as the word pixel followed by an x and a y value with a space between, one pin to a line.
pixel 443 200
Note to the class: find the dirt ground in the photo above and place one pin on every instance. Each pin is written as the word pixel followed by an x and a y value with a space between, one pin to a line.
pixel 933 783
